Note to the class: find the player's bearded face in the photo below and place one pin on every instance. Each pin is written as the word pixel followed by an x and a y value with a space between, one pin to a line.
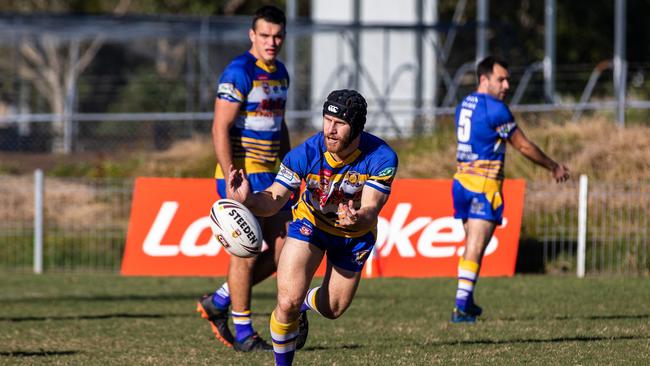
pixel 337 134
pixel 266 40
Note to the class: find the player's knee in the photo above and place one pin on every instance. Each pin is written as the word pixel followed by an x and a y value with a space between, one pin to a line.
pixel 246 264
pixel 289 305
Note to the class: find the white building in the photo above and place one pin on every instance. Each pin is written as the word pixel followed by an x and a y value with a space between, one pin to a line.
pixel 387 69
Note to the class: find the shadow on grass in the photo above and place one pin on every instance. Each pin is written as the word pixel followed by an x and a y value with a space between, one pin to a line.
pixel 321 348
pixel 548 340
pixel 107 316
pixel 126 297
pixel 40 353
pixel 93 317
pixel 572 317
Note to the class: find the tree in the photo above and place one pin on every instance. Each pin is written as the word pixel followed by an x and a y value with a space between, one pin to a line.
pixel 54 66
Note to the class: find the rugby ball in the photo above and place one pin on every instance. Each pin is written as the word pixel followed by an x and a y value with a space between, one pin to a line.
pixel 236 228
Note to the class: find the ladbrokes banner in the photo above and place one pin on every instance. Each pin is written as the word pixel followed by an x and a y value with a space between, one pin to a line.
pixel 169 231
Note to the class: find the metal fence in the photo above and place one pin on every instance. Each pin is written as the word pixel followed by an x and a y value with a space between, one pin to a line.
pixel 616 228
pixel 85 225
pixel 143 82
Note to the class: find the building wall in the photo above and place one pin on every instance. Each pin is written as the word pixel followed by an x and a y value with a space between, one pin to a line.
pixel 387 58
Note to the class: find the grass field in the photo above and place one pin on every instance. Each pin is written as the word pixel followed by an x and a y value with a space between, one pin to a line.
pixel 535 320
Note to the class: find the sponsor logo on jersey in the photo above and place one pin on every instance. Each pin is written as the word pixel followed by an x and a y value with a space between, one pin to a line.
pixel 305 230
pixel 227 89
pixel 285 173
pixel 353 177
pixel 477 207
pixel 361 256
pixel 387 172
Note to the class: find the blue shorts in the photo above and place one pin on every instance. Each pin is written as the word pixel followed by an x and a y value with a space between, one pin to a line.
pixel 258 182
pixel 476 205
pixel 347 253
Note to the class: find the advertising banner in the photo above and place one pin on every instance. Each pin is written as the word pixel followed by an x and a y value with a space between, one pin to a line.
pixel 169 232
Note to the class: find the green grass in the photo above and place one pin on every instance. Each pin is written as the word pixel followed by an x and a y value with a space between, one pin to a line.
pixel 540 320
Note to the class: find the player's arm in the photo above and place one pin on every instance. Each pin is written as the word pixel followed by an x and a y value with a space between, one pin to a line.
pixel 265 203
pixel 372 201
pixel 528 149
pixel 225 114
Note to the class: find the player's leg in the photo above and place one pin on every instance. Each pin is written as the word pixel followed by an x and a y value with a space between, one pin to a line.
pixel 478 234
pixel 346 258
pixel 298 263
pixel 245 273
pixel 480 213
pixel 274 231
pixel 214 307
pixel 335 294
pixel 248 272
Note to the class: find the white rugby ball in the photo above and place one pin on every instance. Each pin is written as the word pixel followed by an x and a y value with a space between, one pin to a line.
pixel 236 228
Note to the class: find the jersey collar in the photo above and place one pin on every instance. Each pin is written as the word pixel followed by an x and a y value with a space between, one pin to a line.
pixel 337 164
pixel 265 67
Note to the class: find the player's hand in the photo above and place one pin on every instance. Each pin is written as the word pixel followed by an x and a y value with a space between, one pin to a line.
pixel 561 173
pixel 347 214
pixel 238 187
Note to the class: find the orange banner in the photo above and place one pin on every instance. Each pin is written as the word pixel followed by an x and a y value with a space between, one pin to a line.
pixel 169 232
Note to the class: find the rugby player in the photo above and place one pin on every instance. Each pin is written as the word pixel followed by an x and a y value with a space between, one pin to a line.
pixel 348 175
pixel 249 133
pixel 484 124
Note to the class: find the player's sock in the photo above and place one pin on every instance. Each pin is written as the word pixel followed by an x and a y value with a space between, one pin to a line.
pixel 243 324
pixel 221 298
pixel 467 276
pixel 284 340
pixel 310 301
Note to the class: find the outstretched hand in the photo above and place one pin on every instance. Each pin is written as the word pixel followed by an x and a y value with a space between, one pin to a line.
pixel 347 214
pixel 561 173
pixel 238 187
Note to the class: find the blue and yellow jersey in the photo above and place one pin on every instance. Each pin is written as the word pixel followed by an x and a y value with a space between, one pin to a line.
pixel 262 92
pixel 483 126
pixel 330 182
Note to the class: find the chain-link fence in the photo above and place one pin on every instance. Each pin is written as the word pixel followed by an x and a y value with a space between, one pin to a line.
pixel 71 83
pixel 85 225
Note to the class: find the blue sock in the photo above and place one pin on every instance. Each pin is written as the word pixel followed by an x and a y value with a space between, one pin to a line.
pixel 243 324
pixel 310 300
pixel 467 276
pixel 221 298
pixel 284 340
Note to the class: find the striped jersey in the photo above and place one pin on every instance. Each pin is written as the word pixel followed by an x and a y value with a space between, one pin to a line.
pixel 483 126
pixel 262 92
pixel 329 182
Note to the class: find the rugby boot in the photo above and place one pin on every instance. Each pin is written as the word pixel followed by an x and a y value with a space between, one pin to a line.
pixel 252 343
pixel 218 319
pixel 303 330
pixel 468 316
pixel 475 309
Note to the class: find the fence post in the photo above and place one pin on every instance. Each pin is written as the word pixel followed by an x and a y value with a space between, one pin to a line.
pixel 38 221
pixel 582 225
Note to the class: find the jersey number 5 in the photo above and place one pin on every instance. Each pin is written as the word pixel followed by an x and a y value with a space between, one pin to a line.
pixel 464 125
